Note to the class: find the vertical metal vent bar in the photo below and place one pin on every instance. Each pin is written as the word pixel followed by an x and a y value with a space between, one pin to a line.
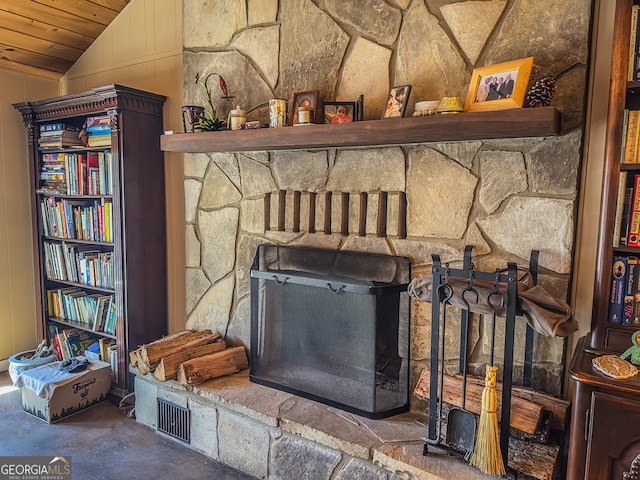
pixel 174 420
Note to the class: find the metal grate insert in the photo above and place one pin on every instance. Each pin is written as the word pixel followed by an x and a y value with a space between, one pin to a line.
pixel 174 420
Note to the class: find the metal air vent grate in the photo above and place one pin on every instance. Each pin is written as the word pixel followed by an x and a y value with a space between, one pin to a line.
pixel 174 420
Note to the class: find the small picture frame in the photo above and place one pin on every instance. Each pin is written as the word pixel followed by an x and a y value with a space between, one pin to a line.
pixel 397 102
pixel 308 99
pixel 339 112
pixel 499 87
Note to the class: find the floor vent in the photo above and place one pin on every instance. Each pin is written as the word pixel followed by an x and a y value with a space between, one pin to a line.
pixel 174 420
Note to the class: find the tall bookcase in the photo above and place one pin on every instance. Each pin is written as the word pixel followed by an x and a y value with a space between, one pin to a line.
pixel 115 218
pixel 605 438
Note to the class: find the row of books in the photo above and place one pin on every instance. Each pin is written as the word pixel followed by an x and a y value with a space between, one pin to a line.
pixel 89 173
pixel 80 264
pixel 93 311
pixel 633 73
pixel 77 219
pixel 71 342
pixel 624 304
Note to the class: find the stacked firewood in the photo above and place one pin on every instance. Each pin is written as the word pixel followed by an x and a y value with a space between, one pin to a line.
pixel 190 357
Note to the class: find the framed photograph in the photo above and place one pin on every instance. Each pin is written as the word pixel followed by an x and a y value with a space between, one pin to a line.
pixel 397 102
pixel 304 99
pixel 499 87
pixel 339 112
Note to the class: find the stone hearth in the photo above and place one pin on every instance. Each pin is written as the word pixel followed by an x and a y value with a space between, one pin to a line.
pixel 272 434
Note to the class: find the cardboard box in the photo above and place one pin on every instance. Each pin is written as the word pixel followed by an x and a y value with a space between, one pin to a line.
pixel 75 396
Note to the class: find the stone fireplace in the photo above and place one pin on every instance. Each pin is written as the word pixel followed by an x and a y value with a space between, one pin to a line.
pixel 504 197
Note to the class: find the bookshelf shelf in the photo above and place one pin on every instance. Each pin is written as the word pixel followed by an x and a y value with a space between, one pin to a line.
pixel 121 235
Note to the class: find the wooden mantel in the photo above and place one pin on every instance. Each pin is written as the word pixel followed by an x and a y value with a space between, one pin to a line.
pixel 526 122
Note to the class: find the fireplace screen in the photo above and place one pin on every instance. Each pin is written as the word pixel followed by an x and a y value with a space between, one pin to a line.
pixel 332 326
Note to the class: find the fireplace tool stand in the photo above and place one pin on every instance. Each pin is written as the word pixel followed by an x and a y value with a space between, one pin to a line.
pixel 461 426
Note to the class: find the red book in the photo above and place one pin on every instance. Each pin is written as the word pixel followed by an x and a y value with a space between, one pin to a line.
pixel 633 239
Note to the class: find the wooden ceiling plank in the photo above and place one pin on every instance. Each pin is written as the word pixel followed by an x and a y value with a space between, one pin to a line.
pixel 33 44
pixel 44 31
pixel 52 16
pixel 38 60
pixel 81 8
pixel 19 67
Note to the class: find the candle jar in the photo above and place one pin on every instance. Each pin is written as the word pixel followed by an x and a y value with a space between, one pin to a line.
pixel 237 117
pixel 305 115
pixel 277 113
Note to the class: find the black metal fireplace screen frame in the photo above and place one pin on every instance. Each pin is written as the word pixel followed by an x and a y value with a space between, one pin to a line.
pixel 368 293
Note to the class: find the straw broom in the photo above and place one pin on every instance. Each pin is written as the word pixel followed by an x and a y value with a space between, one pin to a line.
pixel 486 453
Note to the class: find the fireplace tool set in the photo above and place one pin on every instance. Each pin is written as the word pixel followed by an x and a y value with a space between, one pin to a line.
pixel 493 294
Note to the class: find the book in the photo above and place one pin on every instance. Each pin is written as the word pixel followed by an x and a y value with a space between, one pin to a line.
pixel 625 128
pixel 618 283
pixel 631 70
pixel 631 138
pixel 98 121
pixel 633 236
pixel 622 188
pixel 48 129
pixel 630 290
pixel 99 140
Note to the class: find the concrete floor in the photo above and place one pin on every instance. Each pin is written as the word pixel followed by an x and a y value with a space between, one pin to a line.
pixel 102 443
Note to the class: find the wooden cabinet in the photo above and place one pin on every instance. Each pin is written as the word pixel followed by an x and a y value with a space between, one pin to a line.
pixel 116 214
pixel 605 437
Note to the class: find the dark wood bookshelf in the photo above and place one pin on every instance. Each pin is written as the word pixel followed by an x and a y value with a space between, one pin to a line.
pixel 604 438
pixel 138 217
pixel 515 123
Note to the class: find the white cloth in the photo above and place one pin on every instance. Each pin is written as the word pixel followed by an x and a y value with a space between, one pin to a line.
pixel 43 380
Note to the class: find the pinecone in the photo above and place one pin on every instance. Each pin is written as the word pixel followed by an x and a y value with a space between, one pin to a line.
pixel 541 94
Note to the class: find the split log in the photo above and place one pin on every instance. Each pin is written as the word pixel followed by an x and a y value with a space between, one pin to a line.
pixel 135 355
pixel 197 370
pixel 525 415
pixel 535 460
pixel 152 353
pixel 558 407
pixel 167 369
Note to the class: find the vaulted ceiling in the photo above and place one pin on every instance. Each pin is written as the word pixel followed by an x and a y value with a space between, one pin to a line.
pixel 48 36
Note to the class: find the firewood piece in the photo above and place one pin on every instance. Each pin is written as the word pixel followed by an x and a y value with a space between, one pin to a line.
pixel 142 367
pixel 152 353
pixel 535 460
pixel 197 370
pixel 525 415
pixel 559 407
pixel 167 369
pixel 133 357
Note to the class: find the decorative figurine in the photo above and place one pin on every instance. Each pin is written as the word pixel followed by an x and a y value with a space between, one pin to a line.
pixel 634 350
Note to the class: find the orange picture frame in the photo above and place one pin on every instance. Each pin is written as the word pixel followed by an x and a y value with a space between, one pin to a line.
pixel 499 87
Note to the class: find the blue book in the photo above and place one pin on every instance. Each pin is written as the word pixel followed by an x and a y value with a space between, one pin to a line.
pixel 618 285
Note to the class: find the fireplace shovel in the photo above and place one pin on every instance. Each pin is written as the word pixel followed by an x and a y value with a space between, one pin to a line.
pixel 461 423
